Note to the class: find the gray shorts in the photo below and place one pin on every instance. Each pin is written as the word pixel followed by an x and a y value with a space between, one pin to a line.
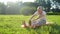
pixel 41 22
pixel 38 23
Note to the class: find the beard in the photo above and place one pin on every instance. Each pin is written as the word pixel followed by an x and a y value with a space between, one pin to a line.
pixel 39 12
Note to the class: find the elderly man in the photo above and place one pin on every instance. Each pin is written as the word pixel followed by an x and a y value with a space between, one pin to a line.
pixel 40 20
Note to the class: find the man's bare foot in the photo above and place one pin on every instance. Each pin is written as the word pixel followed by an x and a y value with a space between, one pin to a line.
pixel 23 24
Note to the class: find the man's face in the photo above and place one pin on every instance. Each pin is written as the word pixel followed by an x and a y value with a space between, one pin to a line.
pixel 39 11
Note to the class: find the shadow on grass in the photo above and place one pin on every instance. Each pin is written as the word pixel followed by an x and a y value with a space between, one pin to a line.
pixel 50 29
pixel 55 29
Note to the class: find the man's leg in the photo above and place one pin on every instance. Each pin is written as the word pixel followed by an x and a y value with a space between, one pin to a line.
pixel 24 25
pixel 30 25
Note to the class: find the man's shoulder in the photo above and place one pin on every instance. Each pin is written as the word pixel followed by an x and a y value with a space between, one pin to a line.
pixel 44 12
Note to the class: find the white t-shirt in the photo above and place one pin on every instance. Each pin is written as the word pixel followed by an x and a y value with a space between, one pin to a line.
pixel 43 15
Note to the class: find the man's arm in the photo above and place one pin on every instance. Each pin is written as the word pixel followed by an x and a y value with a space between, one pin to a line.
pixel 33 15
pixel 31 19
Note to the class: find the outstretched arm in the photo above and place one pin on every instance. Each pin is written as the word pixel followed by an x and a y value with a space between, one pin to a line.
pixel 31 19
pixel 33 15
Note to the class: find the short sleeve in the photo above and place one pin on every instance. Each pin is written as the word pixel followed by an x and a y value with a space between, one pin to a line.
pixel 44 12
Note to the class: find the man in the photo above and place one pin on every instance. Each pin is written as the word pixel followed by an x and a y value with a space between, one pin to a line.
pixel 40 20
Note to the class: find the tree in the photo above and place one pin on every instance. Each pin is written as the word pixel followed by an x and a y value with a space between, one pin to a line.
pixel 2 8
pixel 13 8
pixel 57 0
pixel 45 3
pixel 26 10
pixel 30 4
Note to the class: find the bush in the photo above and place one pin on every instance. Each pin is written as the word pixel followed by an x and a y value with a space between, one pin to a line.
pixel 53 13
pixel 27 10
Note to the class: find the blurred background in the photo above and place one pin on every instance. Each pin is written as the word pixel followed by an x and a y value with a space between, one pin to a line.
pixel 13 12
pixel 28 7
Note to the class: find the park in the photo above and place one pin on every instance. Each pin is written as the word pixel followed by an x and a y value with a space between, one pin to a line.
pixel 13 13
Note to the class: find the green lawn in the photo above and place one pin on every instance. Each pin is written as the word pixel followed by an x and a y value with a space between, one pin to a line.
pixel 10 24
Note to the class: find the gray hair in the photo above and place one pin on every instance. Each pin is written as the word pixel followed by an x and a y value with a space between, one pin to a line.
pixel 39 7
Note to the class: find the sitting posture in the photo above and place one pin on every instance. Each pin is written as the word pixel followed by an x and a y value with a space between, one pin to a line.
pixel 38 21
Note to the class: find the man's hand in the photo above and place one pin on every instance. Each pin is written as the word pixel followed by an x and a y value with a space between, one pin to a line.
pixel 29 22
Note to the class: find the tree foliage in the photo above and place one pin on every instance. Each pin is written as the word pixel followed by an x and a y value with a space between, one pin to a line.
pixel 26 7
pixel 2 8
pixel 26 10
pixel 57 0
pixel 45 3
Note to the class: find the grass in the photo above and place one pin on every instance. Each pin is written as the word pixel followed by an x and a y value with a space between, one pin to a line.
pixel 10 24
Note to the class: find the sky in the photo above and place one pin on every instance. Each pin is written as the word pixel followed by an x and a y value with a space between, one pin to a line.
pixel 5 1
pixel 16 0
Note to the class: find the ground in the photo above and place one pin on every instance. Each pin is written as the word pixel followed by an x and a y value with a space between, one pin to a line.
pixel 10 24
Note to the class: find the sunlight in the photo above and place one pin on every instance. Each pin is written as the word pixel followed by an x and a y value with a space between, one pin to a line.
pixel 16 0
pixel 8 0
pixel 5 1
